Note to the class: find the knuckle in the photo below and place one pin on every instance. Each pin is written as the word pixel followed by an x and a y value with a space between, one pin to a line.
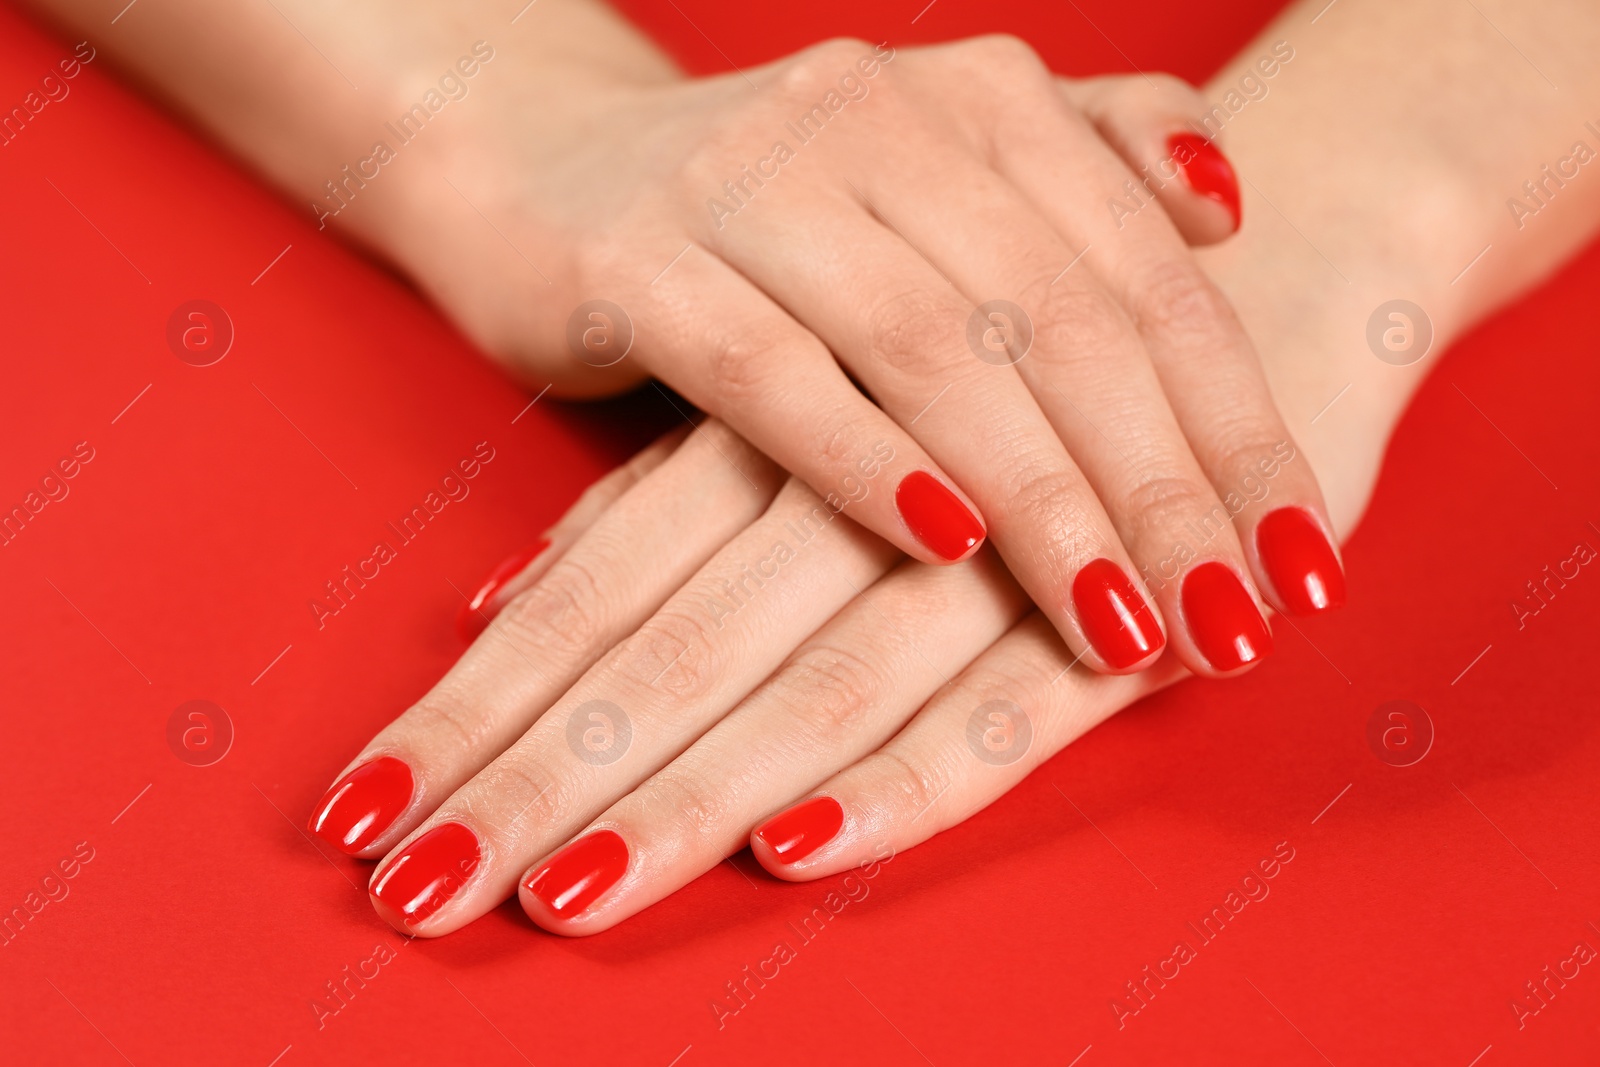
pixel 741 367
pixel 833 693
pixel 816 69
pixel 1163 502
pixel 1253 455
pixel 1003 50
pixel 916 783
pixel 1077 325
pixel 693 803
pixel 1052 500
pixel 562 614
pixel 519 789
pixel 1177 299
pixel 678 651
pixel 915 329
pixel 438 715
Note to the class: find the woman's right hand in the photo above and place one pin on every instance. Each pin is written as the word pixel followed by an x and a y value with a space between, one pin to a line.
pixel 1045 362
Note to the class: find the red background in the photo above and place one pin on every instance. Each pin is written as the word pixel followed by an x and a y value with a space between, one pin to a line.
pixel 180 565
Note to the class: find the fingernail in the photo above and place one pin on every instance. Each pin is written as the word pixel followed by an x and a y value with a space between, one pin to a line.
pixel 1206 170
pixel 575 877
pixel 1117 621
pixel 476 612
pixel 422 879
pixel 1300 561
pixel 362 804
pixel 1222 617
pixel 797 833
pixel 936 516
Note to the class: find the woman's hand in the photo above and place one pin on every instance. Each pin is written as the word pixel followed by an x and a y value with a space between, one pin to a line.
pixel 699 678
pixel 945 227
pixel 940 226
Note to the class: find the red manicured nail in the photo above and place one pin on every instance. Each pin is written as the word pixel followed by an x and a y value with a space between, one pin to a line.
pixel 422 879
pixel 362 804
pixel 937 516
pixel 1228 629
pixel 1117 621
pixel 797 833
pixel 1206 170
pixel 476 613
pixel 1300 561
pixel 575 877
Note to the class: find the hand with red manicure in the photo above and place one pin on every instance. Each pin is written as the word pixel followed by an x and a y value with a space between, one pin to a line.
pixel 640 707
pixel 947 291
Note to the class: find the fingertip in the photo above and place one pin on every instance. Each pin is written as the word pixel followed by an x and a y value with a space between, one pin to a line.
pixel 560 893
pixel 1208 176
pixel 788 839
pixel 938 518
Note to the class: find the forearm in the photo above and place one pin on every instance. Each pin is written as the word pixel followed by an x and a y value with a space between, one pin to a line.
pixel 305 91
pixel 1379 166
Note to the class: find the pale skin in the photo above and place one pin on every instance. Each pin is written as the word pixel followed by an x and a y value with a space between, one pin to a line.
pixel 577 164
pixel 853 674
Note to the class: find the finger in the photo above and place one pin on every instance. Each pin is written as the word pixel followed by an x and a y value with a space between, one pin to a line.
pixel 712 642
pixel 1208 370
pixel 1165 132
pixel 842 694
pixel 1087 365
pixel 634 555
pixel 521 569
pixel 1014 708
pixel 900 325
pixel 741 355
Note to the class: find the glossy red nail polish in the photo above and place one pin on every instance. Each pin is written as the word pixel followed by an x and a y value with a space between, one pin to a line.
pixel 1300 561
pixel 362 804
pixel 422 879
pixel 936 516
pixel 797 833
pixel 575 877
pixel 476 612
pixel 1223 619
pixel 1117 621
pixel 1206 170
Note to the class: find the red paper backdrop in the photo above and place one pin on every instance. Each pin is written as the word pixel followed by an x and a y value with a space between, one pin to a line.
pixel 179 566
